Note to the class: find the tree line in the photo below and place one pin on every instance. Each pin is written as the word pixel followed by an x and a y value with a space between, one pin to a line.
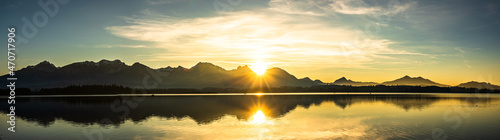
pixel 118 89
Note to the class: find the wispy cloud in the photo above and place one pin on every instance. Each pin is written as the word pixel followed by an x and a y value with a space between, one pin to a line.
pixel 353 7
pixel 160 2
pixel 121 46
pixel 246 37
pixel 333 7
pixel 460 54
pixel 302 7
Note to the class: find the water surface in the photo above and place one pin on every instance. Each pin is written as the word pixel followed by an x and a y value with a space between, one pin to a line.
pixel 251 116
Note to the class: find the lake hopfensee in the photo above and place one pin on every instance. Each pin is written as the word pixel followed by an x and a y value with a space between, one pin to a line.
pixel 258 116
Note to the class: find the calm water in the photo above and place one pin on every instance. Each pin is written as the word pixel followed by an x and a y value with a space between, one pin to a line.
pixel 237 116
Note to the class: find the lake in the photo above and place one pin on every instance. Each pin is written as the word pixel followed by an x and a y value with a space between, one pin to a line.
pixel 257 116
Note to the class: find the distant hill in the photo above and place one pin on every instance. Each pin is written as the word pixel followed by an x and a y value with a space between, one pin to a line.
pixel 105 72
pixel 413 81
pixel 479 85
pixel 345 81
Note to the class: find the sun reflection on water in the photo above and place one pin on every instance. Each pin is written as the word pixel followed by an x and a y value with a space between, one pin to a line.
pixel 259 118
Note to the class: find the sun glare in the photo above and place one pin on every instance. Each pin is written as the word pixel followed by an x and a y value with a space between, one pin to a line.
pixel 259 117
pixel 259 68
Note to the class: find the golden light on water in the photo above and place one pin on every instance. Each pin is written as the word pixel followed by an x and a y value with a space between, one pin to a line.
pixel 259 117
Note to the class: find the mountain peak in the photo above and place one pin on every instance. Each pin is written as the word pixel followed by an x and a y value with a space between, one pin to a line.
pixel 115 62
pixel 413 81
pixel 104 61
pixel 137 64
pixel 277 71
pixel 341 80
pixel 44 66
pixel 206 66
pixel 244 68
pixel 307 78
pixel 406 77
pixel 108 61
pixel 44 62
pixel 479 85
pixel 345 81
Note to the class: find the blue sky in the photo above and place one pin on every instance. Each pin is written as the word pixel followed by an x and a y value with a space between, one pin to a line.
pixel 450 42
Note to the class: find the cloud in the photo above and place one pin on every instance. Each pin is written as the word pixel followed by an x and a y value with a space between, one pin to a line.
pixel 461 54
pixel 333 7
pixel 303 7
pixel 353 7
pixel 247 37
pixel 160 2
pixel 120 46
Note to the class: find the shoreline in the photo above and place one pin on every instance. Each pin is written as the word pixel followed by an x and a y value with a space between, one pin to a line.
pixel 252 94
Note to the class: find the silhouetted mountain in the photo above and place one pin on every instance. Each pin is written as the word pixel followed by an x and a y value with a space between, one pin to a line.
pixel 308 80
pixel 105 72
pixel 413 81
pixel 344 81
pixel 479 85
pixel 202 75
pixel 44 66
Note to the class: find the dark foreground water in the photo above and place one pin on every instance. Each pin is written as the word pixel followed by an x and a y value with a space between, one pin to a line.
pixel 237 116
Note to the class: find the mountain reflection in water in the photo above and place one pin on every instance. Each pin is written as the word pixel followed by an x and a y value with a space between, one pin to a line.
pixel 89 110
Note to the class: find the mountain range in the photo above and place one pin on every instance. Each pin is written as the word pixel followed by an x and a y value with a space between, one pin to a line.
pixel 479 85
pixel 202 75
pixel 345 81
pixel 406 80
pixel 105 72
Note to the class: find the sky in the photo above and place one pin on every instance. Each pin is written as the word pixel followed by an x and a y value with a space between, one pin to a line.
pixel 449 41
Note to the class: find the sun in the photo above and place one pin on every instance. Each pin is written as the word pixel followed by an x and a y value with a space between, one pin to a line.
pixel 259 68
